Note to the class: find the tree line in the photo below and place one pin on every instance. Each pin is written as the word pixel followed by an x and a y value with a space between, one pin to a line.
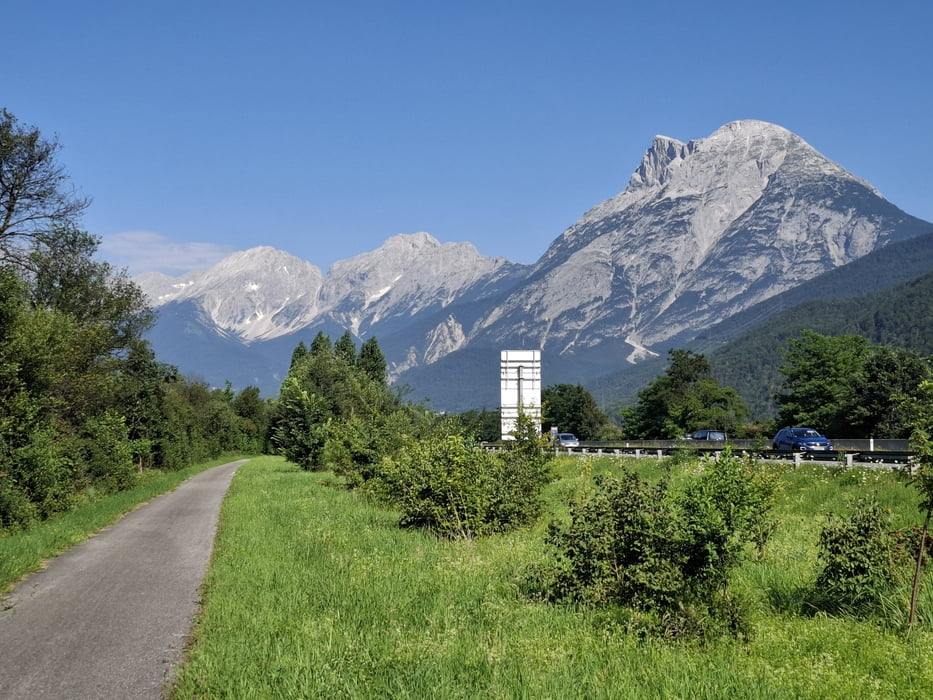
pixel 900 317
pixel 85 407
pixel 843 386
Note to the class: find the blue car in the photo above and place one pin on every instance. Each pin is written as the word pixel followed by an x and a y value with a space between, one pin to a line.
pixel 801 440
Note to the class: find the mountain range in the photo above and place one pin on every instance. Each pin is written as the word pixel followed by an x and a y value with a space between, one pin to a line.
pixel 704 232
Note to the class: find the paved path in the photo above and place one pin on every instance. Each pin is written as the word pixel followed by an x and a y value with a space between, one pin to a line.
pixel 110 617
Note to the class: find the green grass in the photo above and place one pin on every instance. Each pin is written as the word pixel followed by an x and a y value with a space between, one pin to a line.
pixel 25 551
pixel 315 592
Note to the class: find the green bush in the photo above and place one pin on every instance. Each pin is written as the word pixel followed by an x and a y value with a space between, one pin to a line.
pixel 860 561
pixel 16 510
pixel 108 452
pixel 43 472
pixel 661 555
pixel 453 487
pixel 355 447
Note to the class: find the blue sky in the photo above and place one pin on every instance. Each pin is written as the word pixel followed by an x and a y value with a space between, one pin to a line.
pixel 323 128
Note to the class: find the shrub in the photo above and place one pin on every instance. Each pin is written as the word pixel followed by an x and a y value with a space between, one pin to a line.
pixel 43 472
pixel 861 562
pixel 457 489
pixel 16 511
pixel 108 452
pixel 661 555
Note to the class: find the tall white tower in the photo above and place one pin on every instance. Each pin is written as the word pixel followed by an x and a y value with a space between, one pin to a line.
pixel 520 384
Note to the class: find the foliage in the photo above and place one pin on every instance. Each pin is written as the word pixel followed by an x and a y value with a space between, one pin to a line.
pixel 817 386
pixel 920 408
pixel 572 409
pixel 662 553
pixel 107 452
pixel 300 351
pixel 446 483
pixel 483 424
pixel 899 317
pixel 34 192
pixel 84 405
pixel 345 349
pixel 66 277
pixel 845 387
pixel 371 360
pixel 860 562
pixel 684 399
pixel 335 410
pixel 315 592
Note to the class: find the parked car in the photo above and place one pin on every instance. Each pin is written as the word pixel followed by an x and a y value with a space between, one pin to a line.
pixel 567 440
pixel 801 440
pixel 714 435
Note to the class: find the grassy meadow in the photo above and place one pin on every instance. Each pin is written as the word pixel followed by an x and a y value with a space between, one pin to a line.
pixel 315 592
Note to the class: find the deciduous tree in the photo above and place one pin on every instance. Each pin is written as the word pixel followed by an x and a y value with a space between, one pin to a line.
pixel 35 193
pixel 571 408
pixel 685 398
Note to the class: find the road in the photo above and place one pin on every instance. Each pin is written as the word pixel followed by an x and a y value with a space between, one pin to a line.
pixel 110 618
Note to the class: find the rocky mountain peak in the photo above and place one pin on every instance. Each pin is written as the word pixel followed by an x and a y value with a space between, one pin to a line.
pixel 254 294
pixel 703 230
pixel 657 164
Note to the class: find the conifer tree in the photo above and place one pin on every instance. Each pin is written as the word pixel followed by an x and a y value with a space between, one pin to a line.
pixel 372 361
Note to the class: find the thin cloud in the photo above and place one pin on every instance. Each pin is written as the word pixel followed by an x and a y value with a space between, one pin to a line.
pixel 141 251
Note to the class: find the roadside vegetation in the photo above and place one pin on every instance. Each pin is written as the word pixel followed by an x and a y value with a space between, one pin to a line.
pixel 24 551
pixel 86 410
pixel 315 591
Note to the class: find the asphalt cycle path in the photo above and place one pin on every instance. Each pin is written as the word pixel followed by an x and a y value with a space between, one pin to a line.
pixel 110 617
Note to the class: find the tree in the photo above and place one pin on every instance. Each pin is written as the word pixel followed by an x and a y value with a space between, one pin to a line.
pixel 685 398
pixel 847 388
pixel 321 345
pixel 328 397
pixel 300 352
pixel 372 361
pixel 345 349
pixel 921 438
pixel 482 424
pixel 66 277
pixel 819 374
pixel 34 193
pixel 889 379
pixel 573 409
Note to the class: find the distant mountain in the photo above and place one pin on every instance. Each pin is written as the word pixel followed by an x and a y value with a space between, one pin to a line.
pixel 252 295
pixel 704 231
pixel 264 301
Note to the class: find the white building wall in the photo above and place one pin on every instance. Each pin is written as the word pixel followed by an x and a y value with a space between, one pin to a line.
pixel 520 388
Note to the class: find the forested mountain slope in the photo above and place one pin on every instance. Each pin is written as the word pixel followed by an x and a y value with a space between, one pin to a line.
pixel 900 317
pixel 890 266
pixel 754 374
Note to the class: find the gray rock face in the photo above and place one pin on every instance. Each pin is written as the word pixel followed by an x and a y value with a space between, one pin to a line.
pixel 703 230
pixel 264 293
pixel 255 294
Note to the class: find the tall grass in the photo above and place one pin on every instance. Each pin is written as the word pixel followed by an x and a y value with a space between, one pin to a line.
pixel 314 592
pixel 24 551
